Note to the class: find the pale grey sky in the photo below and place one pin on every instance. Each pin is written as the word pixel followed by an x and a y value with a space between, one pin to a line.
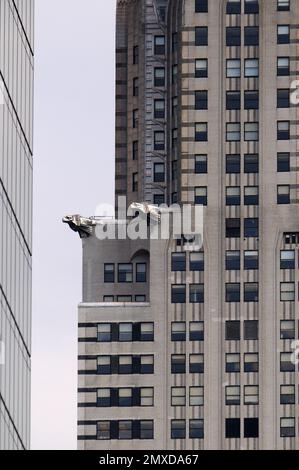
pixel 73 173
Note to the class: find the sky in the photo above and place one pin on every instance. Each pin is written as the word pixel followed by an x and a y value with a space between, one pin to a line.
pixel 73 174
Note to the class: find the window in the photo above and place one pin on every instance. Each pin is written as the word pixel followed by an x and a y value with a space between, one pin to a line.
pixel 159 140
pixel 135 55
pixel 178 396
pixel 178 331
pixel 251 37
pixel 125 273
pixel 283 66
pixel 283 130
pixel 233 228
pixel 196 429
pixel 125 430
pixel 146 429
pixel 251 228
pixel 232 261
pixel 251 260
pixel 232 363
pixel 201 6
pixel 125 332
pixel 135 86
pixel 232 331
pixel 286 363
pixel 233 7
pixel 196 331
pixel 174 41
pixel 251 6
pixel 283 194
pixel 233 68
pixel 251 67
pixel 159 77
pixel 251 131
pixel 201 164
pixel 196 364
pixel 108 298
pixel 174 106
pixel 104 365
pixel 251 362
pixel 232 428
pixel 251 330
pixel 233 132
pixel 109 273
pixel 251 395
pixel 283 162
pixel 178 262
pixel 125 397
pixel 201 132
pixel 135 118
pixel 146 364
pixel 201 195
pixel 287 329
pixel 159 199
pixel 287 395
pixel 283 5
pixel 233 292
pixel 159 45
pixel 287 291
pixel 233 100
pixel 103 430
pixel 104 333
pixel 201 68
pixel 141 272
pixel 178 294
pixel 283 34
pixel 125 364
pixel 124 298
pixel 283 98
pixel 201 100
pixel 196 293
pixel 251 427
pixel 251 195
pixel 103 397
pixel 287 427
pixel 174 73
pixel 232 395
pixel 287 259
pixel 201 36
pixel 178 364
pixel 178 429
pixel 233 196
pixel 233 36
pixel 251 99
pixel 251 292
pixel 196 396
pixel 146 332
pixel 159 172
pixel 233 164
pixel 135 150
pixel 251 163
pixel 197 261
pixel 159 109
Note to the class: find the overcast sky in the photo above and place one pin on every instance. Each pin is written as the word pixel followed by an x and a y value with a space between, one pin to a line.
pixel 73 173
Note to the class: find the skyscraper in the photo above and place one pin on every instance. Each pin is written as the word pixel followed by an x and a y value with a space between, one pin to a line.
pixel 187 349
pixel 16 128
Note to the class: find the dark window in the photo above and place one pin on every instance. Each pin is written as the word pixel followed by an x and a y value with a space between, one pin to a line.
pixel 196 294
pixel 251 330
pixel 196 331
pixel 174 42
pixel 232 292
pixel 125 430
pixel 135 182
pixel 178 331
pixel 232 428
pixel 103 430
pixel 159 109
pixel 287 259
pixel 135 150
pixel 135 55
pixel 233 36
pixel 178 262
pixel 233 7
pixel 201 195
pixel 135 118
pixel 201 132
pixel 283 130
pixel 146 429
pixel 283 34
pixel 232 331
pixel 251 195
pixel 104 333
pixel 283 98
pixel 287 395
pixel 141 272
pixel 196 429
pixel 201 100
pixel 104 365
pixel 251 37
pixel 201 36
pixel 159 199
pixel 178 364
pixel 287 329
pixel 251 362
pixel 159 45
pixel 251 163
pixel 178 294
pixel 233 196
pixel 201 164
pixel 233 164
pixel 159 173
pixel 125 398
pixel 104 397
pixel 283 162
pixel 233 228
pixel 283 5
pixel 159 77
pixel 283 194
pixel 201 6
pixel 197 261
pixel 125 332
pixel 159 140
pixel 162 13
pixel 233 100
pixel 109 275
pixel 135 86
pixel 286 363
pixel 201 68
pixel 232 363
pixel 146 331
pixel 232 261
pixel 251 260
pixel 178 429
pixel 251 6
pixel 251 100
pixel 283 66
pixel 251 427
pixel 251 228
pixel 125 272
pixel 196 364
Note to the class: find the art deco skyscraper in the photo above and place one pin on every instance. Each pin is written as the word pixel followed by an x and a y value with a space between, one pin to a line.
pixel 16 127
pixel 193 350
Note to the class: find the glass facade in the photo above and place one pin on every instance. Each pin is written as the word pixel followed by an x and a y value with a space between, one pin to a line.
pixel 16 132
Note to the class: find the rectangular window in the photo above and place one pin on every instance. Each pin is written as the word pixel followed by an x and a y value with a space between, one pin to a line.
pixel 197 261
pixel 109 275
pixel 201 68
pixel 251 99
pixel 196 396
pixel 196 364
pixel 125 397
pixel 201 132
pixel 135 55
pixel 233 100
pixel 178 294
pixel 201 164
pixel 159 199
pixel 232 363
pixel 135 150
pixel 159 173
pixel 201 195
pixel 232 261
pixel 251 260
pixel 103 397
pixel 159 109
pixel 135 86
pixel 287 329
pixel 251 428
pixel 159 45
pixel 251 163
pixel 146 332
pixel 251 6
pixel 146 429
pixel 125 332
pixel 233 7
pixel 232 292
pixel 283 98
pixel 125 364
pixel 178 331
pixel 286 362
pixel 283 34
pixel 251 131
pixel 251 395
pixel 251 330
pixel 283 66
pixel 174 40
pixel 125 273
pixel 135 118
pixel 201 6
pixel 201 100
pixel 287 259
pixel 251 67
pixel 178 396
pixel 178 429
pixel 233 68
pixel 233 228
pixel 104 332
pixel 283 130
pixel 251 195
pixel 178 364
pixel 251 292
pixel 251 228
pixel 104 365
pixel 159 140
pixel 146 364
pixel 233 196
pixel 233 132
pixel 201 36
pixel 159 77
pixel 124 298
pixel 251 36
pixel 287 395
pixel 233 164
pixel 287 291
pixel 287 427
pixel 108 298
pixel 196 293
pixel 125 430
pixel 283 5
pixel 196 331
pixel 232 395
pixel 251 362
pixel 232 428
pixel 178 262
pixel 283 162
pixel 174 73
pixel 232 331
pixel 283 194
pixel 233 36
pixel 196 429
pixel 103 430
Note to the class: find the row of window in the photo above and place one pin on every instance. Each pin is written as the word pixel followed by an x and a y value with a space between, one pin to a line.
pixel 124 298
pixel 251 330
pixel 234 6
pixel 125 332
pixel 232 292
pixel 251 395
pixel 125 430
pixel 251 427
pixel 110 365
pixel 125 272
pixel 232 260
pixel 125 397
pixel 233 131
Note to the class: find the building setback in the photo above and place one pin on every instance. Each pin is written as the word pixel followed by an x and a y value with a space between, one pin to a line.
pixel 193 350
pixel 16 129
